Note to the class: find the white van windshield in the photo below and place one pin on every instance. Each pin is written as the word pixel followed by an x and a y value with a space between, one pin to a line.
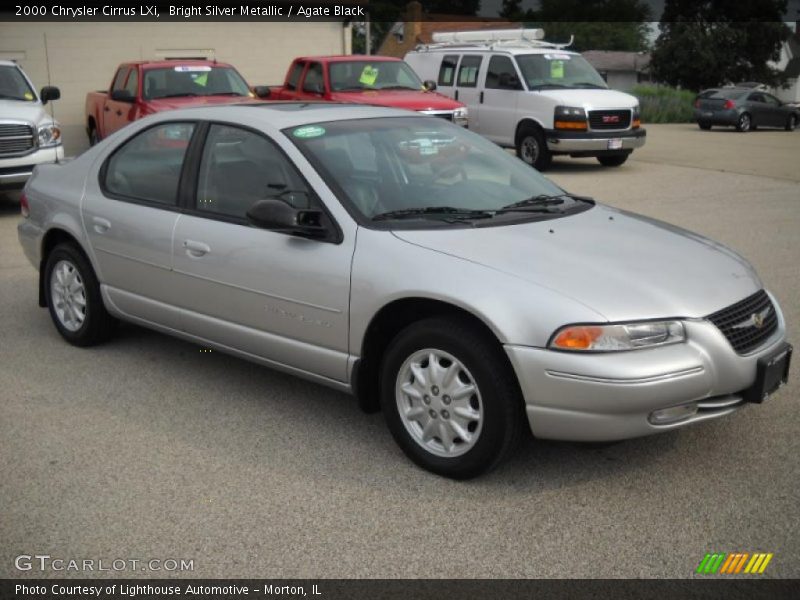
pixel 559 70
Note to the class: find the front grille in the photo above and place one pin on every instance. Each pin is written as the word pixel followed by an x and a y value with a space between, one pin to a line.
pixel 15 140
pixel 738 322
pixel 609 119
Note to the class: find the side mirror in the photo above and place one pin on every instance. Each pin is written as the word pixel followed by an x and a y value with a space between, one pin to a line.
pixel 277 215
pixel 48 93
pixel 429 84
pixel 262 91
pixel 122 96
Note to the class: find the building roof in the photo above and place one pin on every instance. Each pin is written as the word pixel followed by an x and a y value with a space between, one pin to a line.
pixel 613 60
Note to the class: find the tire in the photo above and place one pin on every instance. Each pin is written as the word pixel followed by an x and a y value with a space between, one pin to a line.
pixel 532 148
pixel 613 160
pixel 744 123
pixel 791 123
pixel 496 401
pixel 704 126
pixel 80 318
pixel 93 137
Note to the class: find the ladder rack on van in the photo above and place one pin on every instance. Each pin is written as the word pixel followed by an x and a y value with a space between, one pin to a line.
pixel 492 38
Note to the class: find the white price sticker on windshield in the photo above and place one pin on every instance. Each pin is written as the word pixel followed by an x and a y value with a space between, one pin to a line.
pixel 192 69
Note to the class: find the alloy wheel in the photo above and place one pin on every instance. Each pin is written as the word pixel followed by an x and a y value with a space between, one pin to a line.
pixel 68 294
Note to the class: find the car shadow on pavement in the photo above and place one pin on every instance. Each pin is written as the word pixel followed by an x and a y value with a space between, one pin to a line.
pixel 9 203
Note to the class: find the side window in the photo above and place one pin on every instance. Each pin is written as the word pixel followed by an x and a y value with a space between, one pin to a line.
pixel 468 71
pixel 133 82
pixel 447 71
pixel 756 98
pixel 148 166
pixel 501 74
pixel 119 79
pixel 771 100
pixel 239 167
pixel 313 82
pixel 294 76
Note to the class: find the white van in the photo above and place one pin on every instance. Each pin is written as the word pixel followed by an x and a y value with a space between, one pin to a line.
pixel 29 136
pixel 528 94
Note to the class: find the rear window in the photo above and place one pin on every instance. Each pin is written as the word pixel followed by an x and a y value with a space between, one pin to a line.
pixel 729 94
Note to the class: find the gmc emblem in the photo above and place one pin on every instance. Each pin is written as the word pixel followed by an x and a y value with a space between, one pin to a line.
pixel 610 119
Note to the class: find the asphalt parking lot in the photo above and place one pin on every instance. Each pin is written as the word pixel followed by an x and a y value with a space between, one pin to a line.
pixel 147 447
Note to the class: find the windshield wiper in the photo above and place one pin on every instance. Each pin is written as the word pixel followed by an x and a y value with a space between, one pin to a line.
pixel 224 94
pixel 541 203
pixel 176 95
pixel 398 87
pixel 542 86
pixel 590 85
pixel 351 89
pixel 450 211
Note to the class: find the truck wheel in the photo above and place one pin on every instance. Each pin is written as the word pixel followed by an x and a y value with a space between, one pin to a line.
pixel 73 297
pixel 451 401
pixel 93 138
pixel 532 148
pixel 613 160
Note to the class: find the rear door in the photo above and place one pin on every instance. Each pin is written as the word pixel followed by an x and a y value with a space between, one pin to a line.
pixel 466 88
pixel 759 110
pixel 777 115
pixel 502 88
pixel 446 77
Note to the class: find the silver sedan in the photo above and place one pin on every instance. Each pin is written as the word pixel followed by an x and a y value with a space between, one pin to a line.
pixel 410 262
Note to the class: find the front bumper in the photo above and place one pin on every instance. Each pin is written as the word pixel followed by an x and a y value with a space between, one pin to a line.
pixel 14 172
pixel 592 143
pixel 611 396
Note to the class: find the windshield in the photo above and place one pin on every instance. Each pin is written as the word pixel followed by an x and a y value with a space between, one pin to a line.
pixel 425 168
pixel 14 86
pixel 558 70
pixel 182 80
pixel 366 75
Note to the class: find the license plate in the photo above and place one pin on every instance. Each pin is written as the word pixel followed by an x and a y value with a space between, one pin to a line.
pixel 615 144
pixel 708 113
pixel 771 373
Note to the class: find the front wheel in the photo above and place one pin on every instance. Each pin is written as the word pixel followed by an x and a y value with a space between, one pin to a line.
pixel 532 148
pixel 450 399
pixel 791 123
pixel 73 297
pixel 744 123
pixel 704 125
pixel 613 160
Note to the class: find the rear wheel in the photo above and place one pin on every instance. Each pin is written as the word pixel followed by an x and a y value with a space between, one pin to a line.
pixel 613 160
pixel 744 123
pixel 791 123
pixel 704 125
pixel 93 137
pixel 450 399
pixel 73 297
pixel 532 148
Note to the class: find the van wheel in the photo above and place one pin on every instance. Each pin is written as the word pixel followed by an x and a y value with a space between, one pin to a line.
pixel 73 297
pixel 532 148
pixel 451 401
pixel 613 160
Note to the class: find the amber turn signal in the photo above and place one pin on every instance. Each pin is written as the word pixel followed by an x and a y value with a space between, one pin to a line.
pixel 580 337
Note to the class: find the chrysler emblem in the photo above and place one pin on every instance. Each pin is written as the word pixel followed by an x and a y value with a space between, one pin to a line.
pixel 756 320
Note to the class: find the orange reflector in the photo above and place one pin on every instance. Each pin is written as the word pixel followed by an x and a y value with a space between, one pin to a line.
pixel 571 125
pixel 580 337
pixel 637 123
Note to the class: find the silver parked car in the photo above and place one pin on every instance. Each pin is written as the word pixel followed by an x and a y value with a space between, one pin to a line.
pixel 744 108
pixel 408 261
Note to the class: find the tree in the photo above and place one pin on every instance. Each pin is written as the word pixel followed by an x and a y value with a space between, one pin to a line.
pixel 707 43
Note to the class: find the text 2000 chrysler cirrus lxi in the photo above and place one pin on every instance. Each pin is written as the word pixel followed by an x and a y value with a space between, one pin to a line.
pixel 411 262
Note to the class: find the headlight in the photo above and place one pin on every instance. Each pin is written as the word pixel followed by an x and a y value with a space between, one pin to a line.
pixel 570 117
pixel 49 135
pixel 622 336
pixel 461 116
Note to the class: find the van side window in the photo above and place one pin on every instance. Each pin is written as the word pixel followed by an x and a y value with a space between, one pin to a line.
pixel 501 74
pixel 447 71
pixel 468 72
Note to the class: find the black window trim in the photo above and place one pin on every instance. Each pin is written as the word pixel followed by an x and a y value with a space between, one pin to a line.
pixel 190 180
pixel 143 201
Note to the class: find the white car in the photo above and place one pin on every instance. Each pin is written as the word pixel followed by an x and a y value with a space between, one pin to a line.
pixel 532 95
pixel 29 136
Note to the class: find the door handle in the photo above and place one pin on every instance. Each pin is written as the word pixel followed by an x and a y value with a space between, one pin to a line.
pixel 101 225
pixel 456 98
pixel 196 249
pixel 481 97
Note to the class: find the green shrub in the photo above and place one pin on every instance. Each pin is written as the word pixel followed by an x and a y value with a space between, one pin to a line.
pixel 662 104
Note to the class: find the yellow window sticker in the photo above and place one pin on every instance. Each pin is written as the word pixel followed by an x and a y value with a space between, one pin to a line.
pixel 557 69
pixel 28 96
pixel 368 75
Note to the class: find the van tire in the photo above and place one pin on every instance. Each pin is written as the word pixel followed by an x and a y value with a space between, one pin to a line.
pixel 532 148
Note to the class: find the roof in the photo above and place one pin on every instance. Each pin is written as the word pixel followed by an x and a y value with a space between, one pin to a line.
pixel 165 64
pixel 350 58
pixel 614 60
pixel 506 47
pixel 421 32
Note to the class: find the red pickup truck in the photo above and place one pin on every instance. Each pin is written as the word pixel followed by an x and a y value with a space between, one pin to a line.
pixel 376 80
pixel 142 88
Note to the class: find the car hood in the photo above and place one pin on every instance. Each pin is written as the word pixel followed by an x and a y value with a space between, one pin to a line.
pixel 622 265
pixel 23 111
pixel 591 99
pixel 186 101
pixel 409 99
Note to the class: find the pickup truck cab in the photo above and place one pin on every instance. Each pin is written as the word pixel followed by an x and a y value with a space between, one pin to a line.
pixel 29 135
pixel 373 80
pixel 532 95
pixel 142 88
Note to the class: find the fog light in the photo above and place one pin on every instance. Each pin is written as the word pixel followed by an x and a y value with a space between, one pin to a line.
pixel 665 416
